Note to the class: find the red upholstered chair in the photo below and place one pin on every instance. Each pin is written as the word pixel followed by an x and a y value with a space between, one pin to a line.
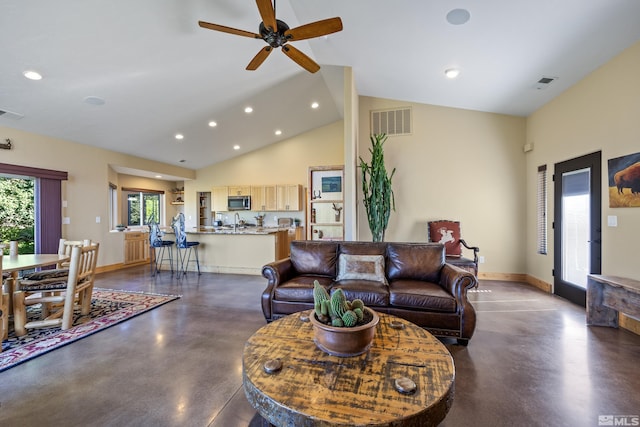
pixel 448 233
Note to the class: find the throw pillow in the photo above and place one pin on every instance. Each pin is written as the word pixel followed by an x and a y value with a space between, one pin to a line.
pixel 448 234
pixel 361 267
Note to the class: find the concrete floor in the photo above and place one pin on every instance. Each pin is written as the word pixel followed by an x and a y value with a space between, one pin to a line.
pixel 531 362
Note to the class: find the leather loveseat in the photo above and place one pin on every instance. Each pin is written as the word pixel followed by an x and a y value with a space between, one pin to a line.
pixel 408 280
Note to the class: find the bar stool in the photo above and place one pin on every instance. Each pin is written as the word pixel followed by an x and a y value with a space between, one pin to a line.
pixel 185 248
pixel 162 249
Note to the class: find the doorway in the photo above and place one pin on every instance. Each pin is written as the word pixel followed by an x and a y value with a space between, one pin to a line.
pixel 577 225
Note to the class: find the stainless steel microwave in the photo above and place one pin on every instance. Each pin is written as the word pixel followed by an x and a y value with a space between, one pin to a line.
pixel 239 203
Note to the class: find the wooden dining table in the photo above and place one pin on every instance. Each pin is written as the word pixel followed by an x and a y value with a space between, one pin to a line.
pixel 15 264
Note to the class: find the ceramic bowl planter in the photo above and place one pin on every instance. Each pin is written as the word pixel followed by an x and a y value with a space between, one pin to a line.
pixel 344 341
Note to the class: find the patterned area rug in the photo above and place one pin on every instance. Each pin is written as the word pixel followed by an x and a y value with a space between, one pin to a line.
pixel 108 307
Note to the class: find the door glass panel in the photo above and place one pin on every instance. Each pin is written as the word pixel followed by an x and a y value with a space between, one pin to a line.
pixel 576 201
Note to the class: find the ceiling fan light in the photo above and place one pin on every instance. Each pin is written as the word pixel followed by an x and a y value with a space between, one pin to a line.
pixel 452 73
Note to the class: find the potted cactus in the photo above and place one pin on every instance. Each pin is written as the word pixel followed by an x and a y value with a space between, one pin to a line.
pixel 377 193
pixel 341 328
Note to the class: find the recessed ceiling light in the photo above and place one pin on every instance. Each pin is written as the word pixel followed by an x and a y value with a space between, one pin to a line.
pixel 315 105
pixel 278 132
pixel 179 136
pixel 32 75
pixel 452 73
pixel 213 124
pixel 458 16
pixel 236 147
pixel 248 110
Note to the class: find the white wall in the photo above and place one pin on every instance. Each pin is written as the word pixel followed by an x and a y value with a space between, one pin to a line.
pixel 460 165
pixel 285 162
pixel 457 164
pixel 87 189
pixel 601 112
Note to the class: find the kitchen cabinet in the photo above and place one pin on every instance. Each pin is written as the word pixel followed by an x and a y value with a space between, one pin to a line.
pixel 239 190
pixel 264 198
pixel 219 197
pixel 295 233
pixel 288 197
pixel 270 198
pixel 325 203
pixel 258 200
pixel 136 247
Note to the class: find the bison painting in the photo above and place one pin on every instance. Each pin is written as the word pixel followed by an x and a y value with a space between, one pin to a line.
pixel 628 178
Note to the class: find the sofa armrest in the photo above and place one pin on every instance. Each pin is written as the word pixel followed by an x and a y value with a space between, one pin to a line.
pixel 457 281
pixel 275 272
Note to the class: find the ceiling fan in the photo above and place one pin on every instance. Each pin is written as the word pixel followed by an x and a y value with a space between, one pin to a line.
pixel 276 34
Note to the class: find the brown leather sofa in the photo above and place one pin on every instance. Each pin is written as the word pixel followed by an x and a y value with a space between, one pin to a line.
pixel 417 284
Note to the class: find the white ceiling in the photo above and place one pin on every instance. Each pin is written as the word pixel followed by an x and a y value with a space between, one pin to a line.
pixel 161 74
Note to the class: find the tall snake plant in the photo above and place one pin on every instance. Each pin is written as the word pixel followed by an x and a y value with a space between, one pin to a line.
pixel 376 187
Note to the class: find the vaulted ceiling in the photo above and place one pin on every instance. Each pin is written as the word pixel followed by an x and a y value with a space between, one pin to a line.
pixel 129 75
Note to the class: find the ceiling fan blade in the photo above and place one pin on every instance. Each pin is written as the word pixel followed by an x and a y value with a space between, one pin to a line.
pixel 314 29
pixel 267 13
pixel 300 58
pixel 259 58
pixel 229 30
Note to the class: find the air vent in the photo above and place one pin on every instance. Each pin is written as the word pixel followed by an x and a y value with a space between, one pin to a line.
pixel 391 122
pixel 4 114
pixel 544 82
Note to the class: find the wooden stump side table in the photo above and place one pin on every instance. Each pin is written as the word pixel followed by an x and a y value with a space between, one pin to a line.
pixel 313 388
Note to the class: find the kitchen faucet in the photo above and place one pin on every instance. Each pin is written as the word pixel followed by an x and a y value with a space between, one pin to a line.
pixel 236 219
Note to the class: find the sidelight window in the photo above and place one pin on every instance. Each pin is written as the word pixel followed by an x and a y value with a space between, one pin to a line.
pixel 542 210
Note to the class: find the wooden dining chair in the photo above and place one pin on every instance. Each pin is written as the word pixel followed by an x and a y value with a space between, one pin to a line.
pixel 58 295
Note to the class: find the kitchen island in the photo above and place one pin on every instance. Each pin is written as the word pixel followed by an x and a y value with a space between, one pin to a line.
pixel 239 251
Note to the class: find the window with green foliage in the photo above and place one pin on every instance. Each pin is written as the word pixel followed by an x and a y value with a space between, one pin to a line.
pixel 142 207
pixel 17 212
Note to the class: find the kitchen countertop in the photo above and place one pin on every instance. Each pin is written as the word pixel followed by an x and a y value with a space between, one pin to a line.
pixel 250 230
pixel 238 230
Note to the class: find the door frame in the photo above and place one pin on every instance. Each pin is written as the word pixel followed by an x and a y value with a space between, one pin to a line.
pixel 592 161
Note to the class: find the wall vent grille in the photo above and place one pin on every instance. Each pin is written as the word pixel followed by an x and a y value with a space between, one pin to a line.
pixel 544 82
pixel 391 122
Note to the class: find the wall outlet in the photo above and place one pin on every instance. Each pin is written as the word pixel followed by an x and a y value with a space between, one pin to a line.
pixel 97 220
pixel 612 221
pixel 66 220
pixel 481 259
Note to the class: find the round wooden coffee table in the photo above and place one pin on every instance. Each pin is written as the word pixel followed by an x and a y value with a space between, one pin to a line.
pixel 291 382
